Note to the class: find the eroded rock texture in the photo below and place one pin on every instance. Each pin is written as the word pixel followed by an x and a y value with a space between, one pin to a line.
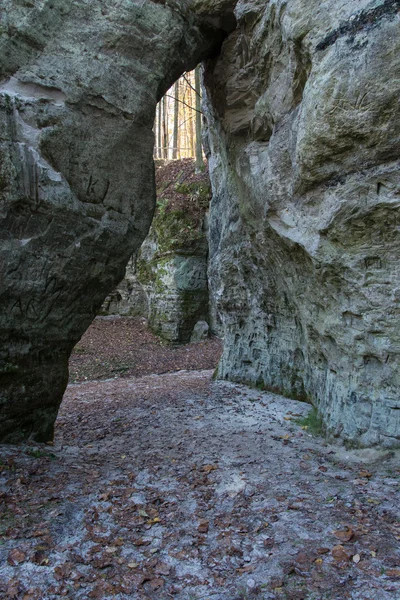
pixel 129 298
pixel 305 142
pixel 79 83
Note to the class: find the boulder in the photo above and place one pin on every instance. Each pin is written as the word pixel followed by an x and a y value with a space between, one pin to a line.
pixel 200 332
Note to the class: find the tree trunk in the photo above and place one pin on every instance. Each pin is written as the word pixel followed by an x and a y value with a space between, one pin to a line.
pixel 165 128
pixel 175 142
pixel 159 130
pixel 199 147
pixel 192 151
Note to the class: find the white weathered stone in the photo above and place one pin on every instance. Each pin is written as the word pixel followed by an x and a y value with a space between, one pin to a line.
pixel 304 135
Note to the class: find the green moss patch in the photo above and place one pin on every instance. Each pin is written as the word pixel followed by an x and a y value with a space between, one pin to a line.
pixel 312 422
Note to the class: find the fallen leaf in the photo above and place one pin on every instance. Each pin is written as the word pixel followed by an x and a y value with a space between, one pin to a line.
pixel 344 535
pixel 62 571
pixel 302 558
pixel 40 532
pixel 339 553
pixel 356 559
pixel 16 557
pixel 162 568
pixel 209 468
pixel 105 496
pixel 393 573
pixel 133 565
pixel 141 542
pixel 246 569
pixel 157 583
pixel 13 589
pixel 203 526
pixel 365 473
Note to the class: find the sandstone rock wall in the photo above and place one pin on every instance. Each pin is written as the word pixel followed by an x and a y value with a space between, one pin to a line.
pixel 178 295
pixel 166 280
pixel 79 82
pixel 304 137
pixel 129 298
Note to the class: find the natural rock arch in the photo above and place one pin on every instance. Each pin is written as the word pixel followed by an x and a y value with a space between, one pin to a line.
pixel 304 138
pixel 80 85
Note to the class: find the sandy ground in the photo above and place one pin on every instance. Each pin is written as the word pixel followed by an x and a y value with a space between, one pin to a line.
pixel 175 486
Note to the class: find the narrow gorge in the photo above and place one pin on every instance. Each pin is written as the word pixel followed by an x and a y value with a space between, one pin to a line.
pixel 303 143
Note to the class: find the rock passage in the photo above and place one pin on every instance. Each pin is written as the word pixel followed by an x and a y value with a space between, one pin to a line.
pixel 303 141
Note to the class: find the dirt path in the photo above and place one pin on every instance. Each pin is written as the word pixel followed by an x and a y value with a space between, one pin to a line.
pixel 174 486
pixel 125 347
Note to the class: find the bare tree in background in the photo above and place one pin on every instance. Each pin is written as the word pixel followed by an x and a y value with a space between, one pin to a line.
pixel 178 125
pixel 199 147
pixel 165 127
pixel 159 132
pixel 175 141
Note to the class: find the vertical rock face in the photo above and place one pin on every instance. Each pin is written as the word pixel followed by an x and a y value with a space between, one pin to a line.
pixel 166 280
pixel 128 299
pixel 172 263
pixel 304 135
pixel 178 295
pixel 79 81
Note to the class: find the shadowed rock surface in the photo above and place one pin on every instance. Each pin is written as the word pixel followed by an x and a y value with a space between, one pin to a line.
pixel 80 82
pixel 304 140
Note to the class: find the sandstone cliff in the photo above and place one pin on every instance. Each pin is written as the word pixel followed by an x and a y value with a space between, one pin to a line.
pixel 304 138
pixel 166 280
